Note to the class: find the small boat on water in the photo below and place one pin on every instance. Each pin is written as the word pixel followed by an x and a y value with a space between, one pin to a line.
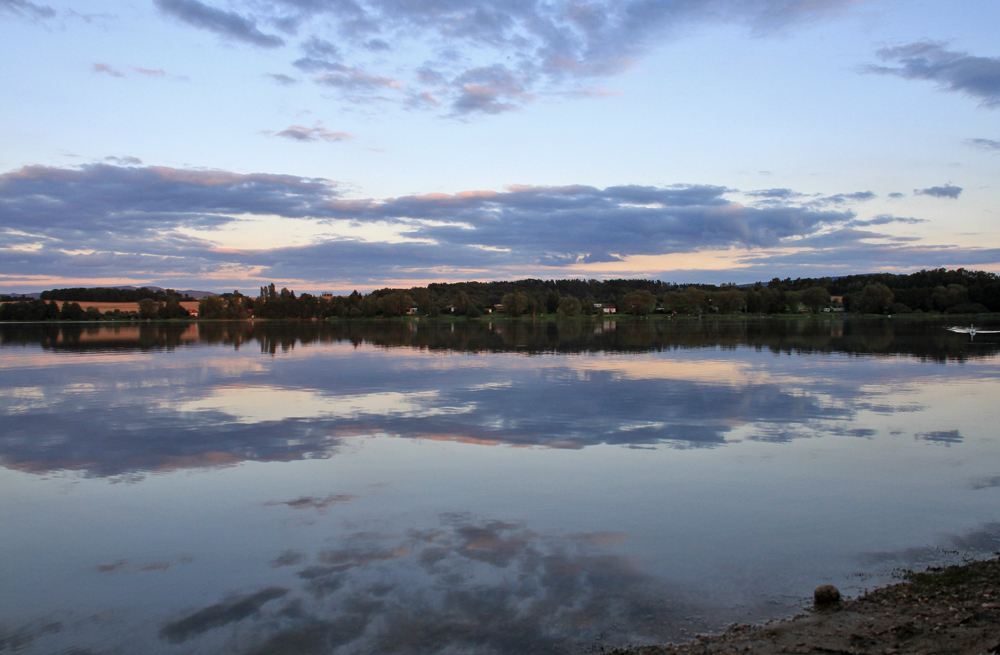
pixel 971 331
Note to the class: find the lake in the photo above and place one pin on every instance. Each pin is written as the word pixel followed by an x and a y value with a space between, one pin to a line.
pixel 485 487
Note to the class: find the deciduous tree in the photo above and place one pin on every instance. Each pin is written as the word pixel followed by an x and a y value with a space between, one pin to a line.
pixel 815 297
pixel 875 298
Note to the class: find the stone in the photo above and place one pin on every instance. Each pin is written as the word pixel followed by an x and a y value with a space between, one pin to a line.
pixel 826 596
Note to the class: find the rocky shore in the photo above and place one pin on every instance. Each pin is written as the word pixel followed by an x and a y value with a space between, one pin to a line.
pixel 947 611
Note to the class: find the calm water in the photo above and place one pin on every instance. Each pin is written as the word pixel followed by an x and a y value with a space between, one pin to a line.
pixel 494 488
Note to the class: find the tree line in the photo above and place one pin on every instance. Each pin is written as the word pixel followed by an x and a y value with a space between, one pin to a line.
pixel 112 294
pixel 40 310
pixel 926 291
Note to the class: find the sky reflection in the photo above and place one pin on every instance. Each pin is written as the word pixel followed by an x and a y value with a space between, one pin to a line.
pixel 324 495
pixel 207 406
pixel 468 585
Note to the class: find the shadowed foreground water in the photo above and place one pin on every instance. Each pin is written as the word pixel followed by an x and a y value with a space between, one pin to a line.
pixel 482 488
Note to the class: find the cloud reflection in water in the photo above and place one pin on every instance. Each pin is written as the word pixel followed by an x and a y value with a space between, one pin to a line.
pixel 134 413
pixel 470 585
pixel 190 424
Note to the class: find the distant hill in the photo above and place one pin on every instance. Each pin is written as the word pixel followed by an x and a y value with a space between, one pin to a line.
pixel 192 293
pixel 126 293
pixel 198 295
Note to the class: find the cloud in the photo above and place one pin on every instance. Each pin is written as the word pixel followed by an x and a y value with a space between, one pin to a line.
pixel 111 568
pixel 885 219
pixel 429 75
pixel 368 263
pixel 593 258
pixel 156 566
pixel 345 77
pixel 551 46
pixel 25 8
pixel 283 79
pixel 775 194
pixel 534 226
pixel 425 99
pixel 946 191
pixel 581 221
pixel 377 45
pixel 132 200
pixel 779 196
pixel 985 144
pixel 315 133
pixel 318 48
pixel 977 77
pixel 228 24
pixel 124 161
pixel 323 57
pixel 857 196
pixel 288 558
pixel 103 220
pixel 104 68
pixel 148 72
pixel 490 90
pixel 100 219
pixel 311 65
pixel 896 195
pixel 848 251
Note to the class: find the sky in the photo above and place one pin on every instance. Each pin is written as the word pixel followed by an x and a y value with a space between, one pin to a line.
pixel 331 145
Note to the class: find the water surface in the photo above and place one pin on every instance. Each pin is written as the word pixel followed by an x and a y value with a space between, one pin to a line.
pixel 475 488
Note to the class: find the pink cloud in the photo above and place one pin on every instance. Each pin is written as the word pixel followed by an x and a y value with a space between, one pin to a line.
pixel 104 68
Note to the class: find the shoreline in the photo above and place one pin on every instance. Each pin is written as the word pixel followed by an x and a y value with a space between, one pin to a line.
pixel 952 610
pixel 544 318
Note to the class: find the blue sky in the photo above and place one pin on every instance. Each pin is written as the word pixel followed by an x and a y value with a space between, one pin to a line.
pixel 341 144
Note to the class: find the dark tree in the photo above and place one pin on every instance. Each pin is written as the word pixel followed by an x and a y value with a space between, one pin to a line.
pixel 815 298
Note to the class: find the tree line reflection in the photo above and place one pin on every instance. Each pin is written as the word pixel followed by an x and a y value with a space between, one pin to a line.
pixel 926 340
